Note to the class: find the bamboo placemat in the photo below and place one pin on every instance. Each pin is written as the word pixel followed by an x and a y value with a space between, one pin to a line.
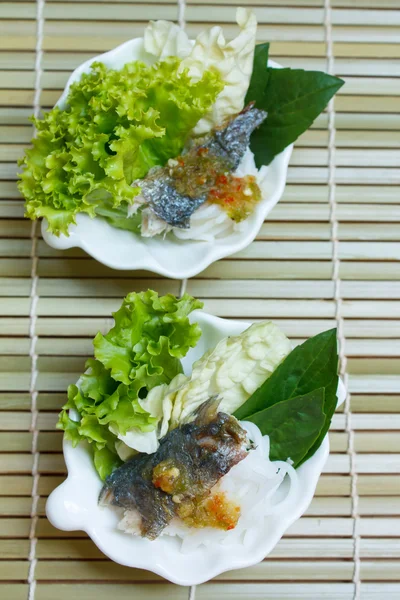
pixel 328 253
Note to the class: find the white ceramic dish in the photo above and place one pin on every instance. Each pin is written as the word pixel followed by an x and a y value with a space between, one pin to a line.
pixel 73 505
pixel 171 257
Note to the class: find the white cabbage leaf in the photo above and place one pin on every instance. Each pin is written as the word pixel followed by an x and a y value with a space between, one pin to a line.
pixel 233 370
pixel 163 39
pixel 233 60
pixel 134 438
pixel 157 404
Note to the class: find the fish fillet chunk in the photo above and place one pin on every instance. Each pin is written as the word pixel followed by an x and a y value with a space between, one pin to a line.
pixel 188 463
pixel 227 145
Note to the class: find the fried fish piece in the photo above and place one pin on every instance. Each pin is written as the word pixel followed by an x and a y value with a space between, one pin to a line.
pixel 172 193
pixel 188 463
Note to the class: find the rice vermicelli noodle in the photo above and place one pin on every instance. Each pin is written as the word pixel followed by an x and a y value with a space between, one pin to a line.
pixel 255 484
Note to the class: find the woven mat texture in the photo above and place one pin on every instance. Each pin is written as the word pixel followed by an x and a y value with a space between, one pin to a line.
pixel 328 253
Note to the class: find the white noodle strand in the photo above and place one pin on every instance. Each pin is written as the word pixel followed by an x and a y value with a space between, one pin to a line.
pixel 259 486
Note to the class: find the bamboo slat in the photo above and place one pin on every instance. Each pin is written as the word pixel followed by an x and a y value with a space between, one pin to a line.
pixel 68 307
pixel 125 591
pixel 61 346
pixel 267 571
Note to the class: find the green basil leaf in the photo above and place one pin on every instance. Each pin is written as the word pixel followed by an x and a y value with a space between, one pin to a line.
pixel 310 366
pixel 293 425
pixel 257 84
pixel 329 409
pixel 293 98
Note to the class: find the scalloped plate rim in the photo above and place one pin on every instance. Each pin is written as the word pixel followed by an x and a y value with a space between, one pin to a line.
pixel 310 471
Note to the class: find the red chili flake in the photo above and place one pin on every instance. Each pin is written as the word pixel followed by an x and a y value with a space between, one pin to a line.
pixel 222 180
pixel 202 151
pixel 229 199
pixel 181 162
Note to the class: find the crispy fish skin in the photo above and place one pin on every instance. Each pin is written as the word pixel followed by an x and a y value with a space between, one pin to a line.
pixel 188 463
pixel 130 487
pixel 227 145
pixel 171 206
pixel 231 142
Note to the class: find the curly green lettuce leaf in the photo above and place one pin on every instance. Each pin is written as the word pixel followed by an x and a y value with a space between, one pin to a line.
pixel 143 350
pixel 100 421
pixel 150 336
pixel 70 428
pixel 115 127
pixel 96 383
pixel 79 423
pixel 123 411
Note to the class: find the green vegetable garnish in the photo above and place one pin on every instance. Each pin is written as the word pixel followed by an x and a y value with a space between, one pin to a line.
pixel 293 425
pixel 255 91
pixel 309 368
pixel 135 382
pixel 293 98
pixel 118 216
pixel 117 125
pixel 143 349
pixel 150 335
